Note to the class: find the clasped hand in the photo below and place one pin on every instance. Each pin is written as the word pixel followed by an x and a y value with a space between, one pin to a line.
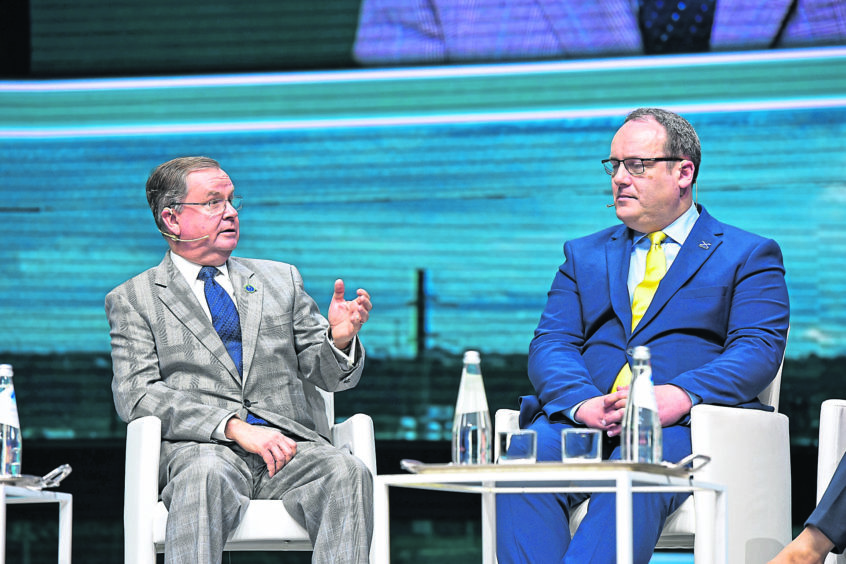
pixel 274 448
pixel 606 412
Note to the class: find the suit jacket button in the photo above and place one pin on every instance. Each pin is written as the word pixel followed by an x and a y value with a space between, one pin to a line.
pixel 247 403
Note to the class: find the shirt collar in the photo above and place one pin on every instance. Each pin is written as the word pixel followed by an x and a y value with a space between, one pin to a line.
pixel 677 230
pixel 191 270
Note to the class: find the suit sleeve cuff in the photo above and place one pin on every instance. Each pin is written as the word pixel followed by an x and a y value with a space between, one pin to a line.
pixel 346 359
pixel 219 433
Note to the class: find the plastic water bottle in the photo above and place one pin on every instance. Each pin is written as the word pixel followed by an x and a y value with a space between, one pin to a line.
pixel 641 437
pixel 10 427
pixel 471 428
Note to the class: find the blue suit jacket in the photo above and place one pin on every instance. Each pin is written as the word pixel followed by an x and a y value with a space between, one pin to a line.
pixel 716 327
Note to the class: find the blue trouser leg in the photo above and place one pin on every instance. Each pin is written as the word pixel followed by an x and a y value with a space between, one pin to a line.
pixel 535 528
pixel 594 539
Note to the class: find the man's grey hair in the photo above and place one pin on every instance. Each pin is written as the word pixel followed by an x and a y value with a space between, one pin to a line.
pixel 167 184
pixel 682 140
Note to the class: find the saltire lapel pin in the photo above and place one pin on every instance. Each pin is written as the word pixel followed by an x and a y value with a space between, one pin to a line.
pixel 704 245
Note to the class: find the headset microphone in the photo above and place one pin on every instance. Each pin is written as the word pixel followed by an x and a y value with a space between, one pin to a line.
pixel 609 205
pixel 175 238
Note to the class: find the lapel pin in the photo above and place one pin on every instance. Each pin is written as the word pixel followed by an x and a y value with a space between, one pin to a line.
pixel 704 245
pixel 250 288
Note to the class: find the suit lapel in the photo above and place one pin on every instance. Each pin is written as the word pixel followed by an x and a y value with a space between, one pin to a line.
pixel 617 257
pixel 249 294
pixel 703 240
pixel 178 297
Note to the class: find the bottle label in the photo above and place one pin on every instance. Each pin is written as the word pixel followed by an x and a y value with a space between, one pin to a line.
pixel 9 408
pixel 471 395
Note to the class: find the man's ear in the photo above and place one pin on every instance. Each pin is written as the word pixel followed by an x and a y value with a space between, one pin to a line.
pixel 686 170
pixel 171 221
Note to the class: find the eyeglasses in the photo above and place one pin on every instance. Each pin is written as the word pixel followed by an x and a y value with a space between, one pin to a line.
pixel 216 206
pixel 634 165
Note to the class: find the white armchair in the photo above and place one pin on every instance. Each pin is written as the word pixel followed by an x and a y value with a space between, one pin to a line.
pixel 831 449
pixel 266 524
pixel 750 455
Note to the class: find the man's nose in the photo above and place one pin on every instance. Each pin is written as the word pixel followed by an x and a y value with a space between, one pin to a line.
pixel 229 209
pixel 621 175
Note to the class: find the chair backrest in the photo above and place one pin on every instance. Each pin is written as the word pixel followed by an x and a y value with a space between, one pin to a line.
pixel 321 406
pixel 832 446
pixel 771 393
pixel 329 401
pixel 832 441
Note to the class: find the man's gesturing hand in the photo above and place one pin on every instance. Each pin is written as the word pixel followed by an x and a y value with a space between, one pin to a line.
pixel 347 317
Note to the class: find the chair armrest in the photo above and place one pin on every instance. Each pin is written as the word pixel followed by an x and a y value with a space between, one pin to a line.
pixel 832 441
pixel 141 486
pixel 357 435
pixel 750 455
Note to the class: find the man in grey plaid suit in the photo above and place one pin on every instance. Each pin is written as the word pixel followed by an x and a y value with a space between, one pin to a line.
pixel 237 425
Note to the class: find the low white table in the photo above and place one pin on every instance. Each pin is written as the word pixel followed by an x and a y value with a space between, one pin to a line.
pixel 548 477
pixel 10 495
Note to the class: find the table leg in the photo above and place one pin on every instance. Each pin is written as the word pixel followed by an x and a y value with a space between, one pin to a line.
pixel 721 524
pixel 705 526
pixel 711 541
pixel 380 550
pixel 489 527
pixel 65 527
pixel 2 524
pixel 624 520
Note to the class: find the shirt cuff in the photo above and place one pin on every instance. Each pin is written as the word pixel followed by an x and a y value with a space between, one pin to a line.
pixel 694 400
pixel 571 415
pixel 346 360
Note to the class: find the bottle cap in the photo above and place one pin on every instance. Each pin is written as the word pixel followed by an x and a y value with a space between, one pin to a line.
pixel 640 353
pixel 472 357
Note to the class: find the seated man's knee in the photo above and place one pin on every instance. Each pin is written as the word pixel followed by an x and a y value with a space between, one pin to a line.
pixel 351 469
pixel 208 467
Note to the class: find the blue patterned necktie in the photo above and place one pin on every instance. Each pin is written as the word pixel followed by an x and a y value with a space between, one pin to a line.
pixel 226 322
pixel 224 314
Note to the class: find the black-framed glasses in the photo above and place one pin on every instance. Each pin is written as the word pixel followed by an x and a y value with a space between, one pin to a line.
pixel 635 165
pixel 215 206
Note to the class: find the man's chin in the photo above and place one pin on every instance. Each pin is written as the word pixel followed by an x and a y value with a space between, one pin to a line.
pixel 227 239
pixel 623 211
pixel 628 215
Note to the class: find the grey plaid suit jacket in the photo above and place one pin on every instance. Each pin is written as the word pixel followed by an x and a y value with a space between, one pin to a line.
pixel 168 361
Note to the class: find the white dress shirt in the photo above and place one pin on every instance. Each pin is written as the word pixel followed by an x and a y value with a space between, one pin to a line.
pixel 190 271
pixel 677 233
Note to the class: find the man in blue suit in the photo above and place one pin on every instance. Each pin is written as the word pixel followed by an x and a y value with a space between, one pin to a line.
pixel 716 327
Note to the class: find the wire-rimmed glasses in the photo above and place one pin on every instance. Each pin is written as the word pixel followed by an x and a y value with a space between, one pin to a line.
pixel 214 206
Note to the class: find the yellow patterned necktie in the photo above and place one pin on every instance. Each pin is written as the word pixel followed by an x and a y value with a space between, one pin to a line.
pixel 656 268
